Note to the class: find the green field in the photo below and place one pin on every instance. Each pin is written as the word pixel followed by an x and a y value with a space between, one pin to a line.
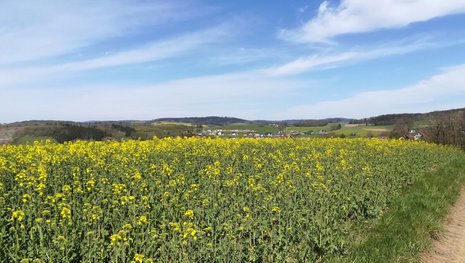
pixel 161 129
pixel 28 139
pixel 346 129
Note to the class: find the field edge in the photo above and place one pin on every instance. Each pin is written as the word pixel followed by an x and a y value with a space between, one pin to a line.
pixel 413 220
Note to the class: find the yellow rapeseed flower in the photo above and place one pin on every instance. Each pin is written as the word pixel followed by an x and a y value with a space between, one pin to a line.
pixel 189 214
pixel 65 213
pixel 138 258
pixel 115 239
pixel 18 215
pixel 142 220
pixel 26 197
pixel 276 210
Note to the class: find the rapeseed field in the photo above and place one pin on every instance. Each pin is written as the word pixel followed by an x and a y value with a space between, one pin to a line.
pixel 199 200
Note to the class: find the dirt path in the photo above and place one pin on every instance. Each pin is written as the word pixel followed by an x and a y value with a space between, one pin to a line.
pixel 450 247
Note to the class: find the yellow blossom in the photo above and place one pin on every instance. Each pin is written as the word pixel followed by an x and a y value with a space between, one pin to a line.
pixel 65 213
pixel 189 214
pixel 18 215
pixel 142 220
pixel 26 197
pixel 138 258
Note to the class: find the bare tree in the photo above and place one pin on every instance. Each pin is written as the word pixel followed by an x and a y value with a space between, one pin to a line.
pixel 447 128
pixel 401 128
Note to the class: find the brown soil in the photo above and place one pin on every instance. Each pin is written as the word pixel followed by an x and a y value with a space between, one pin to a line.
pixel 378 129
pixel 450 246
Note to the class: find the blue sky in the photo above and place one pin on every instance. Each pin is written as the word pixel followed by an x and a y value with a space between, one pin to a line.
pixel 144 59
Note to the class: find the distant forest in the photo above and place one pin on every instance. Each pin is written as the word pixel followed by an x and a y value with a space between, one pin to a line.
pixel 442 127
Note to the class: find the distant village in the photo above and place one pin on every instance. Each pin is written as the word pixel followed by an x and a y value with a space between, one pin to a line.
pixel 411 135
pixel 256 134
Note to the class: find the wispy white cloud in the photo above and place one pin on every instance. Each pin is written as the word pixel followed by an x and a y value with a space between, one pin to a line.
pixel 167 48
pixel 52 28
pixel 435 93
pixel 46 43
pixel 304 64
pixel 243 56
pixel 357 16
pixel 151 52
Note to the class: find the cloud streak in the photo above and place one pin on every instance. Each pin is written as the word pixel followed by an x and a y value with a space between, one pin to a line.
pixel 48 29
pixel 151 52
pixel 359 16
pixel 423 96
pixel 322 62
pixel 158 50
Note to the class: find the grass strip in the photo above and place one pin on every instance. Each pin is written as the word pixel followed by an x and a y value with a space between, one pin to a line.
pixel 412 220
